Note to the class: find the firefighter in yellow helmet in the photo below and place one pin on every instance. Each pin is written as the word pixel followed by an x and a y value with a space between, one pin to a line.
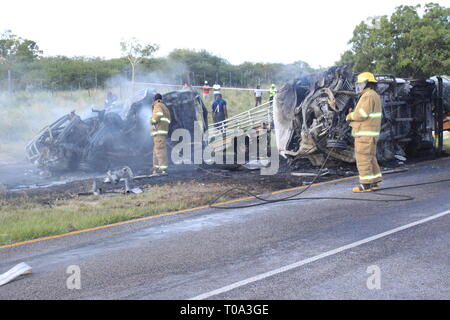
pixel 365 121
pixel 160 128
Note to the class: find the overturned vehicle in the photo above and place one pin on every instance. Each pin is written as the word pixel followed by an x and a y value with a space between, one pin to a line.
pixel 119 134
pixel 309 116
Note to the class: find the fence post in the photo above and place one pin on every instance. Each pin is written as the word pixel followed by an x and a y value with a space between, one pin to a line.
pixel 9 83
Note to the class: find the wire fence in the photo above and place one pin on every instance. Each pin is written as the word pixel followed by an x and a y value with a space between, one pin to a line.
pixel 244 81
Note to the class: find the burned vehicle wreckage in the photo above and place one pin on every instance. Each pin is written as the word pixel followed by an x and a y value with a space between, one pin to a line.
pixel 309 116
pixel 116 135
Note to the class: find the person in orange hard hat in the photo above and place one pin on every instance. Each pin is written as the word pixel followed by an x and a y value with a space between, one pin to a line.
pixel 365 121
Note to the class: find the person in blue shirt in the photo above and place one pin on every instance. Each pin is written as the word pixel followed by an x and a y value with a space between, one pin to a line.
pixel 219 109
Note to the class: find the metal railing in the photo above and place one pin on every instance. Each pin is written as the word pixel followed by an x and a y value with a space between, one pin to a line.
pixel 254 118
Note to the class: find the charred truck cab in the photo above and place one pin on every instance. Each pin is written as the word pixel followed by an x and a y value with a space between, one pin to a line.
pixel 116 135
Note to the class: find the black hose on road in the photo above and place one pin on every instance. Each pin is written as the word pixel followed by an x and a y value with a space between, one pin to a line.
pixel 294 197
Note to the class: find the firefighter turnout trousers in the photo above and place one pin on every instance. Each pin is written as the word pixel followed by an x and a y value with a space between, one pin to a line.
pixel 160 128
pixel 159 152
pixel 366 159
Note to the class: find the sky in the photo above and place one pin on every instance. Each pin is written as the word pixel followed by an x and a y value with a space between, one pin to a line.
pixel 314 31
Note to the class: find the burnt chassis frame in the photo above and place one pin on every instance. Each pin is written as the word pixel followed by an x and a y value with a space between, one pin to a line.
pixel 439 116
pixel 407 124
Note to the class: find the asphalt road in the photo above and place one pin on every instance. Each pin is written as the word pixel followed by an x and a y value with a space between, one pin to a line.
pixel 310 249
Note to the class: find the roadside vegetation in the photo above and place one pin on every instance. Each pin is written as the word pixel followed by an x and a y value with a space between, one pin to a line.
pixel 24 218
pixel 412 42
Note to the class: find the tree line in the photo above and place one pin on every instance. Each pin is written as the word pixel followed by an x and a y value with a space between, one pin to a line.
pixel 23 64
pixel 413 42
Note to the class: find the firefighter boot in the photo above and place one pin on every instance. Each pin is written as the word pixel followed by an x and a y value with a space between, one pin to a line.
pixel 375 186
pixel 363 187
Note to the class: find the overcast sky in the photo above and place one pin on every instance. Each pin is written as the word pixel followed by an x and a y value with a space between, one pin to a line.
pixel 315 31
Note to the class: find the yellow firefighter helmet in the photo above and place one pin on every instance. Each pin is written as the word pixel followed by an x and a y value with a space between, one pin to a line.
pixel 366 76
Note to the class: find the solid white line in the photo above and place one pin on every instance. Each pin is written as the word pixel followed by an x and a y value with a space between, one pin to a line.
pixel 315 258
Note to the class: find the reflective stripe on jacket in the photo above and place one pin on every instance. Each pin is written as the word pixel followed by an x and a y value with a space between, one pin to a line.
pixel 366 119
pixel 160 118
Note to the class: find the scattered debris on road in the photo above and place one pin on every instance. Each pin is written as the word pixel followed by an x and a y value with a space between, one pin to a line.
pixel 15 272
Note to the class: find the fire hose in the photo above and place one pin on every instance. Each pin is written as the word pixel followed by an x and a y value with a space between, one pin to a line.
pixel 387 197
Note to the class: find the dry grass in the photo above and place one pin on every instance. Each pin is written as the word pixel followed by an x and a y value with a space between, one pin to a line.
pixel 24 114
pixel 25 219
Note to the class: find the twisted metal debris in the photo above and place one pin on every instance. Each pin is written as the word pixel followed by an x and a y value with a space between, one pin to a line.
pixel 309 116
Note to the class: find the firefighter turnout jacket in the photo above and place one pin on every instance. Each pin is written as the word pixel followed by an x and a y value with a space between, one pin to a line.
pixel 366 119
pixel 160 119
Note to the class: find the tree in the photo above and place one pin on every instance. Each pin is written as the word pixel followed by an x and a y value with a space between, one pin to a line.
pixel 134 51
pixel 33 71
pixel 16 49
pixel 405 44
pixel 198 65
pixel 16 52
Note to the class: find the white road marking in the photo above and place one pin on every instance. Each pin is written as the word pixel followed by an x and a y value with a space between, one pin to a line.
pixel 315 258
